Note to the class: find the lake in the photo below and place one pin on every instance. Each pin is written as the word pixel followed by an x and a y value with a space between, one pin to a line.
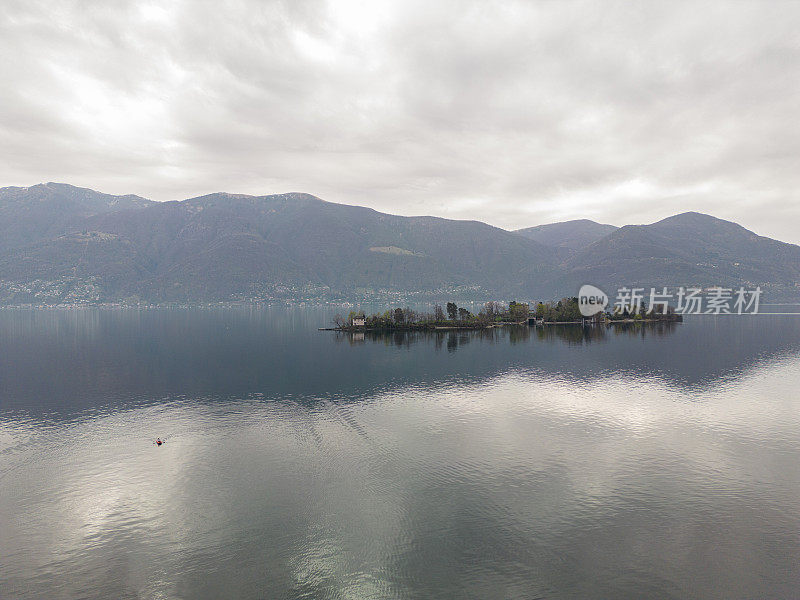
pixel 657 462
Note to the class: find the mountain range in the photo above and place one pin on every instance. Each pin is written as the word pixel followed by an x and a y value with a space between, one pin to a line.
pixel 64 244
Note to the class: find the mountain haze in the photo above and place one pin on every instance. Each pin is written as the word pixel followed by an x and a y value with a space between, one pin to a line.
pixel 224 246
pixel 30 214
pixel 68 244
pixel 689 249
pixel 571 235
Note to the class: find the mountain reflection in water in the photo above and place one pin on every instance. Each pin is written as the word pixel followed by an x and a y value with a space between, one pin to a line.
pixel 559 462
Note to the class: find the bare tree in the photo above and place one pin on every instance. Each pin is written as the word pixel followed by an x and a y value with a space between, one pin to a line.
pixel 438 313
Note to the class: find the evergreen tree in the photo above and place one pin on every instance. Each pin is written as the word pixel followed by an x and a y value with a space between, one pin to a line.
pixel 452 310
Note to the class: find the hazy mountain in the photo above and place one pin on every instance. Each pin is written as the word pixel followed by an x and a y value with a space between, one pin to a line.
pixel 223 246
pixel 688 249
pixel 43 211
pixel 571 235
pixel 67 244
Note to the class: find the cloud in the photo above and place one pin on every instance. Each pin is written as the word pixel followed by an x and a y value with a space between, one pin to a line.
pixel 515 114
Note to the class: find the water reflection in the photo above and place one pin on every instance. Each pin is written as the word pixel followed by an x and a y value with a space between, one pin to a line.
pixel 453 339
pixel 57 363
pixel 508 463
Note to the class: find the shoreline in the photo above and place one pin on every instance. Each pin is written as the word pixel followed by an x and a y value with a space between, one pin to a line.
pixel 477 327
pixel 359 329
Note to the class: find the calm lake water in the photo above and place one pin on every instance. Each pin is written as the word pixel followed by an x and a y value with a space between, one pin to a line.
pixel 643 463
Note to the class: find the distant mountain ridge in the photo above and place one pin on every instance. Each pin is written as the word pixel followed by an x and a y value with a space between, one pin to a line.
pixel 63 244
pixel 28 214
pixel 690 247
pixel 568 234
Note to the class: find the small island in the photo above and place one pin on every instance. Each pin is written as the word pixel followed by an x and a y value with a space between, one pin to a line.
pixel 495 314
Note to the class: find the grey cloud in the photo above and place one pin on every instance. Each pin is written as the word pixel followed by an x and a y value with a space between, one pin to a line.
pixel 514 113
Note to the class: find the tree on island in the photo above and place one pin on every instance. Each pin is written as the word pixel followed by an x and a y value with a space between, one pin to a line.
pixel 518 311
pixel 492 310
pixel 490 314
pixel 438 313
pixel 452 310
pixel 565 310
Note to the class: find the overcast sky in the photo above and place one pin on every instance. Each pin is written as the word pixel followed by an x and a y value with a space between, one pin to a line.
pixel 515 114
